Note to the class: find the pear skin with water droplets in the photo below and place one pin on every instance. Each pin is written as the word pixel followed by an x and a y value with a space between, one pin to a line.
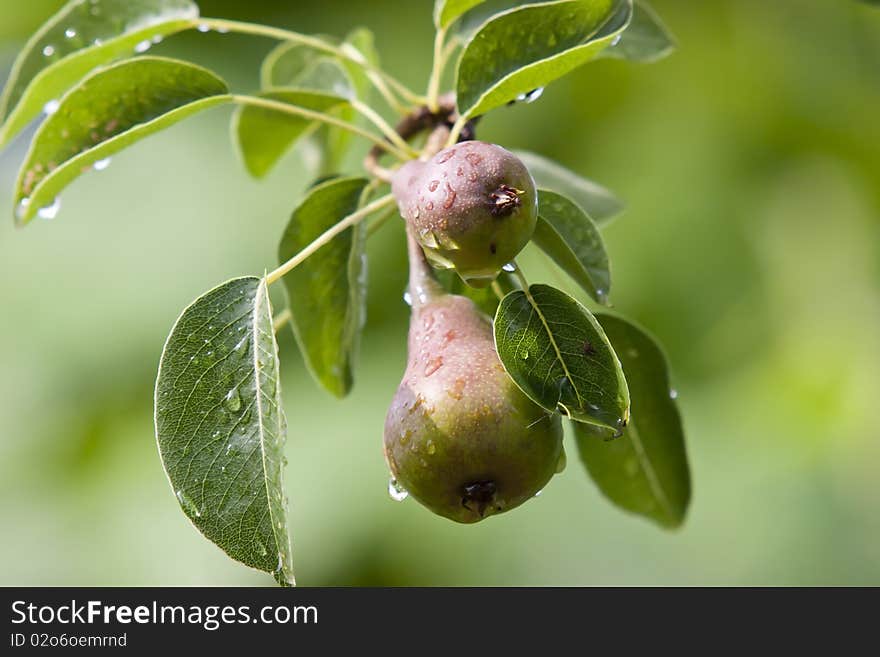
pixel 472 207
pixel 460 436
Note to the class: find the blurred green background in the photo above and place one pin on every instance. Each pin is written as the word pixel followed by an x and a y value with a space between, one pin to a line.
pixel 750 163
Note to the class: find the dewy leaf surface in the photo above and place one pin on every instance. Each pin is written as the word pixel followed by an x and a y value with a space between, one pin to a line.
pixel 598 202
pixel 568 235
pixel 326 293
pixel 644 471
pixel 108 111
pixel 83 35
pixel 557 353
pixel 528 47
pixel 220 426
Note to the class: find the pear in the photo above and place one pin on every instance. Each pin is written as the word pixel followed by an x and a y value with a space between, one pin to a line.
pixel 460 436
pixel 473 207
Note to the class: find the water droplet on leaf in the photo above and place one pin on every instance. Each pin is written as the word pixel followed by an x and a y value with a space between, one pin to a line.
pixel 100 165
pixel 232 400
pixel 531 96
pixel 143 46
pixel 509 267
pixel 397 492
pixel 48 51
pixel 51 107
pixel 22 207
pixel 50 211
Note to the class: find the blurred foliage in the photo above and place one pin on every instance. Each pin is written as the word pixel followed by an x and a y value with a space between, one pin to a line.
pixel 750 164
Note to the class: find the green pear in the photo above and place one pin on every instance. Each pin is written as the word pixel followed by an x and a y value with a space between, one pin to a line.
pixel 460 436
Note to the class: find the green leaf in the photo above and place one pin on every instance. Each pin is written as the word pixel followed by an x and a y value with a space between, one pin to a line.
pixel 362 40
pixel 568 235
pixel 446 12
pixel 299 66
pixel 557 353
pixel 290 64
pixel 109 110
pixel 264 135
pixel 326 293
pixel 598 202
pixel 646 39
pixel 83 35
pixel 528 47
pixel 220 425
pixel 645 470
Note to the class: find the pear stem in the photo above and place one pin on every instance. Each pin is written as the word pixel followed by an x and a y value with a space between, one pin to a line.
pixel 423 286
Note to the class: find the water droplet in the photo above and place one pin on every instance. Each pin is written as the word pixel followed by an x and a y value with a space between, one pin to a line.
pixel 100 165
pixel 50 211
pixel 673 394
pixel 407 297
pixel 143 46
pixel 616 40
pixel 157 39
pixel 538 494
pixel 70 33
pixel 21 209
pixel 562 462
pixel 203 28
pixel 222 30
pixel 48 51
pixel 397 492
pixel 232 400
pixel 509 267
pixel 531 96
pixel 188 504
pixel 429 239
pixel 51 107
